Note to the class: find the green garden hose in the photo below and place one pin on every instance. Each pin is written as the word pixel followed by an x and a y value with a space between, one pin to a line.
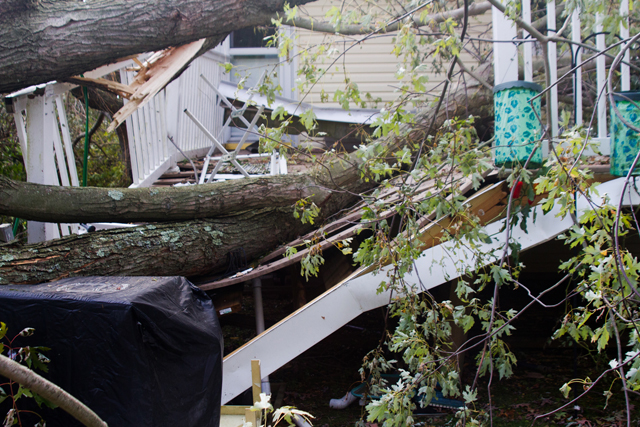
pixel 16 222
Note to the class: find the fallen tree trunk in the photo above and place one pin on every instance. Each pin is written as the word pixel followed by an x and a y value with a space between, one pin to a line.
pixel 251 215
pixel 50 40
pixel 75 204
pixel 169 249
pixel 254 215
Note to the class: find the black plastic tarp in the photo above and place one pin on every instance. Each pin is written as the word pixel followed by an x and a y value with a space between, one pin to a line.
pixel 139 351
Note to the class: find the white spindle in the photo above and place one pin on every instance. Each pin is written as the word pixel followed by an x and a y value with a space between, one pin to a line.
pixel 625 83
pixel 138 118
pixel 135 155
pixel 553 66
pixel 528 47
pixel 161 117
pixel 137 142
pixel 172 118
pixel 155 138
pixel 601 76
pixel 577 55
pixel 19 105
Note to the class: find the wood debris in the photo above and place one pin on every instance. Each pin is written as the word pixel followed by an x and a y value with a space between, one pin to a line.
pixel 152 76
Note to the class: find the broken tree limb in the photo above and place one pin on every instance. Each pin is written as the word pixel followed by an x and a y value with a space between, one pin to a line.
pixel 51 40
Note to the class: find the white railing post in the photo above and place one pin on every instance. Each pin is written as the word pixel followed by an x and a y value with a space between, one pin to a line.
pixel 505 53
pixel 39 160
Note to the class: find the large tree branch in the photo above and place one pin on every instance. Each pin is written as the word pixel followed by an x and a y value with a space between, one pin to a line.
pixel 76 204
pixel 53 39
pixel 357 29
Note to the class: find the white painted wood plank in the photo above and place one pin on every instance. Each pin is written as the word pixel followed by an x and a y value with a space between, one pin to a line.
pixel 145 122
pixel 59 152
pixel 172 113
pixel 66 138
pixel 20 105
pixel 134 151
pixel 141 139
pixel 161 116
pixel 134 142
pixel 39 159
pixel 155 137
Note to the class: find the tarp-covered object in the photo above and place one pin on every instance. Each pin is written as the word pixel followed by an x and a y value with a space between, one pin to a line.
pixel 139 351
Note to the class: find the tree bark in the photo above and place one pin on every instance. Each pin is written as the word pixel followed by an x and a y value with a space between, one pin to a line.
pixel 254 215
pixel 44 40
pixel 169 249
pixel 47 203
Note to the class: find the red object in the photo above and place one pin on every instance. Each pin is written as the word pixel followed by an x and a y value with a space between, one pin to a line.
pixel 518 187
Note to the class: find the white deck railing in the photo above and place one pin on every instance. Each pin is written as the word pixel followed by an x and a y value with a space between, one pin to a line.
pixel 150 127
pixel 506 59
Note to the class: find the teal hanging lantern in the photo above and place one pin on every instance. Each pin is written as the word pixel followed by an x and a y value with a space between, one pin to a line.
pixel 625 142
pixel 516 125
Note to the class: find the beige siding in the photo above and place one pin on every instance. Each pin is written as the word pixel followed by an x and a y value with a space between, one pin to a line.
pixel 370 63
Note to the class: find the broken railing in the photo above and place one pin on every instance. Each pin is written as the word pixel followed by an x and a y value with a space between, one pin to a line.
pixel 43 130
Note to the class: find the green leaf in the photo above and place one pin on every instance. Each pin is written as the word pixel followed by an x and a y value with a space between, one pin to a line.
pixel 469 395
pixel 308 119
pixel 565 390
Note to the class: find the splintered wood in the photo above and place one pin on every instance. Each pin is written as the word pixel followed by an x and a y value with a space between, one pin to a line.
pixel 152 76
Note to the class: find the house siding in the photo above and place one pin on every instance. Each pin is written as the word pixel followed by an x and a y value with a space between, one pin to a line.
pixel 370 64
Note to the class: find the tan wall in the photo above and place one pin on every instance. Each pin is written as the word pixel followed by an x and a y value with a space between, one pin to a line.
pixel 370 64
